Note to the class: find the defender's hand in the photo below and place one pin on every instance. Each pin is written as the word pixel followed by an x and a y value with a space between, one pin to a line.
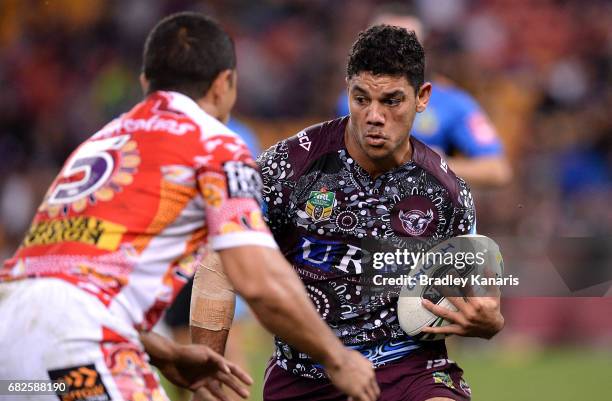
pixel 194 365
pixel 476 317
pixel 212 390
pixel 354 375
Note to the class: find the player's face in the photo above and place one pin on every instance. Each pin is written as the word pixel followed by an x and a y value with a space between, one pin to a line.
pixel 382 110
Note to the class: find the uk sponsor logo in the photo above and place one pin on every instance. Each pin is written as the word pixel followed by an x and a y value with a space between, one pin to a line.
pixel 327 255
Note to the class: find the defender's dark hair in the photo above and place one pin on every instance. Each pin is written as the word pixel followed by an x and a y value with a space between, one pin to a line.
pixel 388 50
pixel 185 52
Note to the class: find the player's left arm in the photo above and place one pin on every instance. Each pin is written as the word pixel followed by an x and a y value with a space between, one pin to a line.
pixel 476 316
pixel 212 304
pixel 482 161
pixel 212 310
pixel 213 298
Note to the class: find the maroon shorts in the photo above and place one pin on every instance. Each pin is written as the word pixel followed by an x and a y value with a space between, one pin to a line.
pixel 425 374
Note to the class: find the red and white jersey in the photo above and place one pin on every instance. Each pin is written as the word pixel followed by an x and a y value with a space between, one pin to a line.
pixel 130 214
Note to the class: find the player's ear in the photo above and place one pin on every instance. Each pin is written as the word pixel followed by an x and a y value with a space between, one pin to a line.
pixel 222 94
pixel 422 97
pixel 223 83
pixel 233 78
pixel 144 83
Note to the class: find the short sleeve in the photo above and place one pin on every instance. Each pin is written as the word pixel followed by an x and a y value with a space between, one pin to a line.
pixel 230 186
pixel 464 212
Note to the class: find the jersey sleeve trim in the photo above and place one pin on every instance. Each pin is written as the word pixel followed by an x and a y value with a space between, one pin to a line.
pixel 233 240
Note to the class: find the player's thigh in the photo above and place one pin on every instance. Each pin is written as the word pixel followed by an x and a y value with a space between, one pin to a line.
pixel 441 384
pixel 58 332
pixel 422 376
pixel 113 367
pixel 280 385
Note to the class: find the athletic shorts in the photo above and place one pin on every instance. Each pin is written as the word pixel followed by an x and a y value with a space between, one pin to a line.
pixel 52 330
pixel 425 374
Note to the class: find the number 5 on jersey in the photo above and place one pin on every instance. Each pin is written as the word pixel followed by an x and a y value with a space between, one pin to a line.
pixel 94 162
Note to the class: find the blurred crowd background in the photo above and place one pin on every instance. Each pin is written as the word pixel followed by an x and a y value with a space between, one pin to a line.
pixel 541 69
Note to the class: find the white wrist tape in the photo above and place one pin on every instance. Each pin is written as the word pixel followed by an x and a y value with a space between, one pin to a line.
pixel 212 298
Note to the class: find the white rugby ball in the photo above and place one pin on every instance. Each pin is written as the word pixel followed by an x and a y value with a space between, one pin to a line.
pixel 412 315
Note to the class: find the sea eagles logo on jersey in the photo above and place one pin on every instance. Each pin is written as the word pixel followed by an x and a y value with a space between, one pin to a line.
pixel 415 216
pixel 415 222
pixel 320 204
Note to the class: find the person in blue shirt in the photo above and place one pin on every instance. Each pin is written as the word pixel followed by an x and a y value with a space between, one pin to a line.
pixel 453 124
pixel 246 134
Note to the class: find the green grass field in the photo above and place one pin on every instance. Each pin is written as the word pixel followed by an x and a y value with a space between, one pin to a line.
pixel 555 375
pixel 559 374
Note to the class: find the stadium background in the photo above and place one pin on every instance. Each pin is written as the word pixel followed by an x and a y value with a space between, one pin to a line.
pixel 541 69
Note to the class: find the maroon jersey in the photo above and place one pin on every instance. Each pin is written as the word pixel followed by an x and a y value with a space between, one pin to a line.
pixel 321 206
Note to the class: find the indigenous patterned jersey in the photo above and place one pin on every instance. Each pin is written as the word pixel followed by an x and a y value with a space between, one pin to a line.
pixel 131 211
pixel 321 206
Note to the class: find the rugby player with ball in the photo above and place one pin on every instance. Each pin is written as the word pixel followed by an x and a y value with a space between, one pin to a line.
pixel 363 176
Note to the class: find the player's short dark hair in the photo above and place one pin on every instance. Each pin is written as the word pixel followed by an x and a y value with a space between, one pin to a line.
pixel 388 50
pixel 185 52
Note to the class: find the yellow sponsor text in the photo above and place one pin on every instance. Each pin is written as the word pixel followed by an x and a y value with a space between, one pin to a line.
pixel 84 229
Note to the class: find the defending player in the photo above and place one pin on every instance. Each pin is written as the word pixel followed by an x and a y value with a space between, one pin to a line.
pixel 453 123
pixel 125 224
pixel 363 176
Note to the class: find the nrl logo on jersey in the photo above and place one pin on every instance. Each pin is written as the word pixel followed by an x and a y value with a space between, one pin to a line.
pixel 320 204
